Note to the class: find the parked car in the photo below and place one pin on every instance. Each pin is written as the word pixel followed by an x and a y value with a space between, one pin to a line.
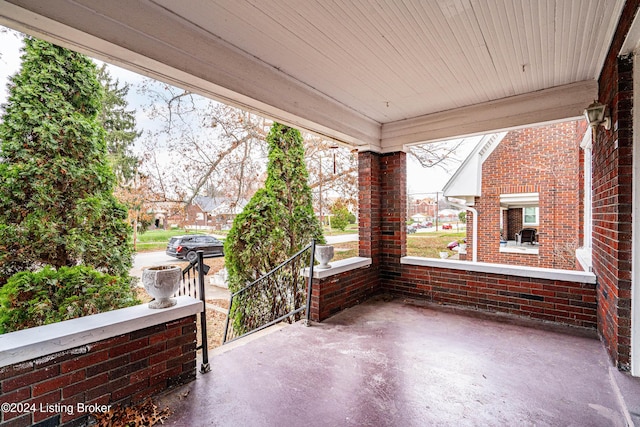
pixel 186 247
pixel 411 229
pixel 447 227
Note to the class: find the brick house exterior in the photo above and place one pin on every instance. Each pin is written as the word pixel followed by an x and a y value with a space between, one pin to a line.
pixel 544 162
pixel 217 213
pixel 427 207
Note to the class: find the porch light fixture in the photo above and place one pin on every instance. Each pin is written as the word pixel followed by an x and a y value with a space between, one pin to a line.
pixel 596 114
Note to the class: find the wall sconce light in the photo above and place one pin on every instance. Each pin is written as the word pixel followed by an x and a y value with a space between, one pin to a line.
pixel 596 114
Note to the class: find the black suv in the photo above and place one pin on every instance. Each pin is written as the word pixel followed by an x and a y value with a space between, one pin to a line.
pixel 187 246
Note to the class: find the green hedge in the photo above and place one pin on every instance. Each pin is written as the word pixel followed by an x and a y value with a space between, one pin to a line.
pixel 31 299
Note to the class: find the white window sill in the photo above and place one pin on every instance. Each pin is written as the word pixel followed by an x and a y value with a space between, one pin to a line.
pixel 523 250
pixel 583 255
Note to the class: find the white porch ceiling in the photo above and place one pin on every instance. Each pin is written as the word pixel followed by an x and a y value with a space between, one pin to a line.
pixel 375 74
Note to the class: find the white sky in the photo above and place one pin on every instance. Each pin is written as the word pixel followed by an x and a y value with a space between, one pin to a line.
pixel 420 180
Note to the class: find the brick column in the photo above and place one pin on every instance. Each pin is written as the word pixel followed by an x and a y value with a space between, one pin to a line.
pixel 612 207
pixel 393 204
pixel 369 205
pixel 383 210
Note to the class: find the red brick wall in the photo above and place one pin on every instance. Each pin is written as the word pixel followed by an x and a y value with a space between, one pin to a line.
pixel 124 369
pixel 369 206
pixel 514 222
pixel 393 190
pixel 612 180
pixel 470 241
pixel 544 160
pixel 553 300
pixel 382 208
pixel 335 293
pixel 393 206
pixel 382 212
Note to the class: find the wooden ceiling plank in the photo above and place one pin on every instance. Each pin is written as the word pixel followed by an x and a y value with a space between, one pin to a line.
pixel 421 56
pixel 475 58
pixel 495 31
pixel 435 52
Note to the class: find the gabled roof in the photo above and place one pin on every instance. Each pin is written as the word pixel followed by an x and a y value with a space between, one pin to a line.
pixel 229 207
pixel 466 182
pixel 220 205
pixel 205 203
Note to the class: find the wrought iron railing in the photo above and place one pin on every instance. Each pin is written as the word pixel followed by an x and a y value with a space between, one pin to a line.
pixel 193 285
pixel 281 295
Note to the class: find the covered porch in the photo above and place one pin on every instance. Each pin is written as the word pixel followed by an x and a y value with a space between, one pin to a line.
pixel 380 79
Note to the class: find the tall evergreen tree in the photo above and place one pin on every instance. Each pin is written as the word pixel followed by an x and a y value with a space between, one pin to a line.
pixel 120 126
pixel 56 201
pixel 279 220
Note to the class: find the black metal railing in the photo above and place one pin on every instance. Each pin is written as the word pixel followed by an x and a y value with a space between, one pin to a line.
pixel 193 285
pixel 281 295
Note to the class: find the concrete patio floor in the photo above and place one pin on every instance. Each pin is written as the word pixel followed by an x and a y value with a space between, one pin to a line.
pixel 395 363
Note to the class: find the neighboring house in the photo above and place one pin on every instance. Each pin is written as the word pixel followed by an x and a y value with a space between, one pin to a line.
pixel 216 213
pixel 448 215
pixel 426 207
pixel 526 178
pixel 164 214
pixel 418 218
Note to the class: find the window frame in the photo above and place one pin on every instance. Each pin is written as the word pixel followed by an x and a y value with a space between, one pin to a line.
pixel 536 213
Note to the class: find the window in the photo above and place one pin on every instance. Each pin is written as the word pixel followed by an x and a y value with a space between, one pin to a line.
pixel 530 215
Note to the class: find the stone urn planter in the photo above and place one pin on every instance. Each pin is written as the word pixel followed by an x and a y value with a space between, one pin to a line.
pixel 324 254
pixel 162 282
pixel 444 255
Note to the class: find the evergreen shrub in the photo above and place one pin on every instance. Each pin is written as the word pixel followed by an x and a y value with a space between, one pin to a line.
pixel 30 299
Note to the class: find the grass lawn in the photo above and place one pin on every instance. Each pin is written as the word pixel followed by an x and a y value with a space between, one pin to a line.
pixel 345 250
pixel 351 229
pixel 427 245
pixel 160 235
pixel 420 244
pixel 156 240
pixel 430 245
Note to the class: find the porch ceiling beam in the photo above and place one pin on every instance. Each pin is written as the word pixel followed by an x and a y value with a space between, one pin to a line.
pixel 545 106
pixel 134 35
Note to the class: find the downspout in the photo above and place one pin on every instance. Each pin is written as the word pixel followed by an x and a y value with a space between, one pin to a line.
pixel 474 255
